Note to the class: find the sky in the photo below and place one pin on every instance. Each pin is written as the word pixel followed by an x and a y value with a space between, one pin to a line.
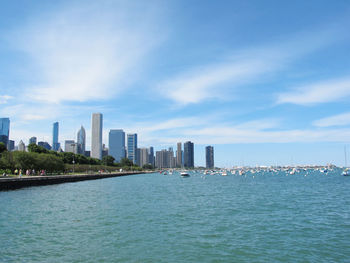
pixel 264 82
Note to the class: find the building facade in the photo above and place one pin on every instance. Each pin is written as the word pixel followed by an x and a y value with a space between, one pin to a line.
pixel 179 155
pixel 81 141
pixel 32 140
pixel 21 146
pixel 11 145
pixel 70 146
pixel 132 147
pixel 116 144
pixel 96 135
pixel 46 145
pixel 209 157
pixel 55 129
pixel 5 131
pixel 188 154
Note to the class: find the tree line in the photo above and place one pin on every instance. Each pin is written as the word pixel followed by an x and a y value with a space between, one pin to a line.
pixel 38 158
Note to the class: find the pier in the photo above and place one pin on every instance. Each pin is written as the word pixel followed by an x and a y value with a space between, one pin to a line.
pixel 12 183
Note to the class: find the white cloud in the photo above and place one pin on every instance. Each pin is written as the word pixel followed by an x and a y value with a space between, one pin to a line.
pixel 336 120
pixel 5 98
pixel 86 53
pixel 321 92
pixel 212 81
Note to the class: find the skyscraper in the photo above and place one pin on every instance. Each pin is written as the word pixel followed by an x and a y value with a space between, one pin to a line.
pixel 188 154
pixel 116 144
pixel 151 156
pixel 132 147
pixel 32 140
pixel 96 136
pixel 4 130
pixel 209 157
pixel 179 155
pixel 70 146
pixel 55 144
pixel 21 146
pixel 81 141
pixel 11 145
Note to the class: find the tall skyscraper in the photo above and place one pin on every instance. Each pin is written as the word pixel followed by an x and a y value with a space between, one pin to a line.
pixel 96 136
pixel 209 157
pixel 4 130
pixel 179 155
pixel 21 146
pixel 81 141
pixel 32 140
pixel 188 154
pixel 151 156
pixel 11 145
pixel 116 144
pixel 132 147
pixel 55 144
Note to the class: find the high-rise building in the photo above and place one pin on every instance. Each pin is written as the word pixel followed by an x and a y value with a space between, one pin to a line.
pixel 165 159
pixel 151 156
pixel 70 146
pixel 209 157
pixel 96 136
pixel 81 141
pixel 179 155
pixel 46 145
pixel 32 140
pixel 21 146
pixel 4 130
pixel 116 144
pixel 11 145
pixel 55 144
pixel 143 156
pixel 132 147
pixel 188 154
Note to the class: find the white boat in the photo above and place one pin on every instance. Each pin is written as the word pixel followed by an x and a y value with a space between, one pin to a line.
pixel 184 174
pixel 346 172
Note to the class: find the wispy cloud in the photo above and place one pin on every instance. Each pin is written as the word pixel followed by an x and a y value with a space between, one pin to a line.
pixel 336 120
pixel 5 98
pixel 86 53
pixel 213 80
pixel 320 92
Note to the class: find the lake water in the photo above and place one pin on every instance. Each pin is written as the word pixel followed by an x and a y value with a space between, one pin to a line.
pixel 263 217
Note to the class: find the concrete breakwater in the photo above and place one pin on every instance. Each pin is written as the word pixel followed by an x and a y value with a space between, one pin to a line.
pixel 11 183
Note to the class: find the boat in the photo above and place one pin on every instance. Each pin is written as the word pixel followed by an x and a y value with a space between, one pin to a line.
pixel 346 172
pixel 184 174
pixel 224 173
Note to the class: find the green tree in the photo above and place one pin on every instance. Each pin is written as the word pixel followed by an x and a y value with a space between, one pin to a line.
pixel 147 166
pixel 126 162
pixel 108 160
pixel 36 148
pixel 2 147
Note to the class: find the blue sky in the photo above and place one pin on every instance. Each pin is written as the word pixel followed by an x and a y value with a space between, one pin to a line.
pixel 265 82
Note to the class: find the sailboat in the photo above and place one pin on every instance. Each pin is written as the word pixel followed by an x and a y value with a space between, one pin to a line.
pixel 346 171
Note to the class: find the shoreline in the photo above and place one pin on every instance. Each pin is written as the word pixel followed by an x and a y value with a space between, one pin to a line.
pixel 14 183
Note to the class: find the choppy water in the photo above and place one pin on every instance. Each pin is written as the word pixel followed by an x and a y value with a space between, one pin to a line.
pixel 157 218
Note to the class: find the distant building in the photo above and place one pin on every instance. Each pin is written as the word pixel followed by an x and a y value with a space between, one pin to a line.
pixel 209 157
pixel 55 144
pixel 4 130
pixel 165 159
pixel 11 145
pixel 151 156
pixel 188 154
pixel 88 153
pixel 81 141
pixel 32 140
pixel 96 135
pixel 143 157
pixel 132 147
pixel 70 146
pixel 179 155
pixel 116 144
pixel 105 150
pixel 46 145
pixel 21 146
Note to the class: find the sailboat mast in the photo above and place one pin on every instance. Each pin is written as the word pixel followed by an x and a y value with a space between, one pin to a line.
pixel 346 163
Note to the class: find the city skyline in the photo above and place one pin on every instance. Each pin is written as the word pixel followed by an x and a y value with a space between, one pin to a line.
pixel 264 83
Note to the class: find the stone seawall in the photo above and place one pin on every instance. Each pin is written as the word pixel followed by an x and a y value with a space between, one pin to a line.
pixel 11 183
